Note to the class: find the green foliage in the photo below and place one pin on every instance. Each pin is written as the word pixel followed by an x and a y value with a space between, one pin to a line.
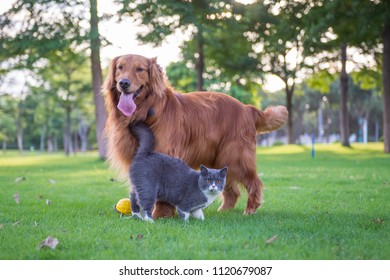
pixel 329 24
pixel 69 76
pixel 7 118
pixel 368 79
pixel 163 18
pixel 214 31
pixel 65 82
pixel 321 81
pixel 32 30
pixel 332 207
pixel 182 77
pixel 48 38
pixel 275 31
pixel 247 94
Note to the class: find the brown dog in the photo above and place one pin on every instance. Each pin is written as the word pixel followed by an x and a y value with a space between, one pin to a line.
pixel 207 128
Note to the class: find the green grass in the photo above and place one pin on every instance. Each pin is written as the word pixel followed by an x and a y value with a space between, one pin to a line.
pixel 335 206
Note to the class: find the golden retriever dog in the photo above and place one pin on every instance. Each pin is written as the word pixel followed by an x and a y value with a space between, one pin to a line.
pixel 208 128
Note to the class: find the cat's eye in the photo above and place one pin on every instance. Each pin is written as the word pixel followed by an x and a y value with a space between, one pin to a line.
pixel 208 181
pixel 218 181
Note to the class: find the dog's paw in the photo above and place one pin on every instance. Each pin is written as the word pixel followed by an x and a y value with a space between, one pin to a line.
pixel 250 211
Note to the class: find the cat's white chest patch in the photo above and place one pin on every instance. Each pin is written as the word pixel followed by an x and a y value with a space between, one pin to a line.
pixel 211 197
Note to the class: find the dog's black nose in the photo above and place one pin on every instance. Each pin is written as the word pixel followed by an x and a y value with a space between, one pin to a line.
pixel 124 83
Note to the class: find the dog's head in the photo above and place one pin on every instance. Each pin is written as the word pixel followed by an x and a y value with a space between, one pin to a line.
pixel 131 80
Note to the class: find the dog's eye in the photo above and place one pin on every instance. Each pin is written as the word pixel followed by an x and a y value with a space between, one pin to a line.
pixel 139 69
pixel 120 67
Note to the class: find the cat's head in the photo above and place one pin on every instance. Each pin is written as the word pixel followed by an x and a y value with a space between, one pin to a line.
pixel 212 180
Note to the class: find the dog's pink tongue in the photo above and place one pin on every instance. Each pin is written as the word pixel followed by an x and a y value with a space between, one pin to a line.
pixel 126 104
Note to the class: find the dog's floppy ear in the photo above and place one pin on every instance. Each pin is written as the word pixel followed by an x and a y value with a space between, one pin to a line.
pixel 156 78
pixel 109 84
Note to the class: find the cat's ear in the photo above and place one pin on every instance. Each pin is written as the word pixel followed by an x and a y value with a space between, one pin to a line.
pixel 203 170
pixel 223 171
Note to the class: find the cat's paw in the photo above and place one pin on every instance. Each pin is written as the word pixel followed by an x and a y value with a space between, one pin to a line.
pixel 148 219
pixel 184 215
pixel 198 214
pixel 136 215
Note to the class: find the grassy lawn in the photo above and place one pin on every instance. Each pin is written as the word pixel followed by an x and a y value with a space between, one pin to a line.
pixel 335 206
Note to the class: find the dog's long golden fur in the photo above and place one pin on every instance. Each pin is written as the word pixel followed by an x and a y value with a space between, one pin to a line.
pixel 207 128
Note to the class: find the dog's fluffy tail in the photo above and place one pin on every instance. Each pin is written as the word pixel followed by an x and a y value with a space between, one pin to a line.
pixel 272 118
pixel 145 138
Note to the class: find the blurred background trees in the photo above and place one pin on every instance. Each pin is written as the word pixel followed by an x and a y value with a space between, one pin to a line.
pixel 47 38
pixel 332 58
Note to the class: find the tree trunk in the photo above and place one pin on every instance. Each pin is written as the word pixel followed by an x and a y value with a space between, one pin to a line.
pixel 19 127
pixel 4 146
pixel 386 87
pixel 344 124
pixel 55 144
pixel 75 144
pixel 42 138
pixel 67 134
pixel 200 61
pixel 298 127
pixel 83 133
pixel 289 105
pixel 376 131
pixel 100 109
pixel 50 145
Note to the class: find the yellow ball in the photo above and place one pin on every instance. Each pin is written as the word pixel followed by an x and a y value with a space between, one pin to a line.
pixel 123 206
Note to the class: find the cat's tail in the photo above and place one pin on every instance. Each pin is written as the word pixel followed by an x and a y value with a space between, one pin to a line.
pixel 145 138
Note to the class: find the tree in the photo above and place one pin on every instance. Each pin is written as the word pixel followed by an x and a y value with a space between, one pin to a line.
pixel 183 78
pixel 197 19
pixel 332 25
pixel 230 63
pixel 375 23
pixel 211 27
pixel 164 18
pixel 44 116
pixel 31 31
pixel 386 82
pixel 7 120
pixel 68 78
pixel 275 31
pixel 319 29
pixel 100 109
pixel 364 87
pixel 16 90
pixel 344 121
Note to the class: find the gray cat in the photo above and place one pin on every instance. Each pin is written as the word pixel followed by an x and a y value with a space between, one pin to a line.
pixel 157 176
